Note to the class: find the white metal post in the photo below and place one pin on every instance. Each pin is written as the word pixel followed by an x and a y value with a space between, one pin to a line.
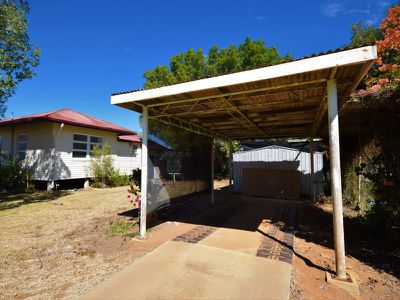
pixel 230 166
pixel 336 179
pixel 312 183
pixel 144 175
pixel 212 171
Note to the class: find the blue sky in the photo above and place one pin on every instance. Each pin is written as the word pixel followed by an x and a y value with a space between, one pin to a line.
pixel 93 48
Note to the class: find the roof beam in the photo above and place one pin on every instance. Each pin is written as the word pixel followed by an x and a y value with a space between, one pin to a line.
pixel 269 88
pixel 233 106
pixel 186 125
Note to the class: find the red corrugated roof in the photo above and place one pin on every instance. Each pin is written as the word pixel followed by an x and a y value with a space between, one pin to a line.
pixel 130 138
pixel 71 117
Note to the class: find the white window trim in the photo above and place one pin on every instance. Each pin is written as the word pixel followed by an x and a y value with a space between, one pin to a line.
pixel 88 143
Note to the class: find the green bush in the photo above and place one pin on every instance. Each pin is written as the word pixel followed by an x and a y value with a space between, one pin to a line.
pixel 116 179
pixel 383 170
pixel 13 175
pixel 102 168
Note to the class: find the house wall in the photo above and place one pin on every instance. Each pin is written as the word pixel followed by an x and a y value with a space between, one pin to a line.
pixel 68 167
pixel 43 160
pixel 39 144
pixel 281 158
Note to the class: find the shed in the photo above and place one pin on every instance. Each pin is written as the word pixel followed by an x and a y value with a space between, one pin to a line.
pixel 275 157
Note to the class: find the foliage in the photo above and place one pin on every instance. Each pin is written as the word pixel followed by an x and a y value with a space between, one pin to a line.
pixel 122 228
pixel 17 56
pixel 13 175
pixel 222 158
pixel 192 65
pixel 386 72
pixel 117 179
pixel 383 169
pixel 389 46
pixel 380 168
pixel 362 34
pixel 102 168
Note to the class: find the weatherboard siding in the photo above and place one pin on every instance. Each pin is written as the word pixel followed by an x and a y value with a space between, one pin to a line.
pixel 124 156
pixel 47 164
pixel 38 148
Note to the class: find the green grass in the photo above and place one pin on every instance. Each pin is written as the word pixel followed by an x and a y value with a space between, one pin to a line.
pixel 122 228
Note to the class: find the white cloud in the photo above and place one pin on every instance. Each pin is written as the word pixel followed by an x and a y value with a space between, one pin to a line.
pixel 384 4
pixel 332 9
pixel 356 11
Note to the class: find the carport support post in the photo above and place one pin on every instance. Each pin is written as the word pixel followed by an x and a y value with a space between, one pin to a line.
pixel 230 165
pixel 212 171
pixel 312 184
pixel 143 187
pixel 336 180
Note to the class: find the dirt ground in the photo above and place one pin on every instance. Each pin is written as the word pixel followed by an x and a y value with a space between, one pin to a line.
pixel 375 266
pixel 59 248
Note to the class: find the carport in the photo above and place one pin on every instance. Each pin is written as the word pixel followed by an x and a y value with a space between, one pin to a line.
pixel 291 99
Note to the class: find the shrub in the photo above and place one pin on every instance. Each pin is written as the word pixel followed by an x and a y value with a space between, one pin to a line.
pixel 13 175
pixel 116 179
pixel 102 168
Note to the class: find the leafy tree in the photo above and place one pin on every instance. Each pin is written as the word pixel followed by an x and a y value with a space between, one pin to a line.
pixel 192 65
pixel 389 45
pixel 386 71
pixel 362 34
pixel 17 56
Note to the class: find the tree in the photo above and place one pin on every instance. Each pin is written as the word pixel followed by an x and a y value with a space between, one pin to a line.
pixel 192 65
pixel 386 71
pixel 362 34
pixel 389 45
pixel 18 57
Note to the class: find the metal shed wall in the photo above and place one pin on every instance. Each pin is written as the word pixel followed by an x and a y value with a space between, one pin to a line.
pixel 277 157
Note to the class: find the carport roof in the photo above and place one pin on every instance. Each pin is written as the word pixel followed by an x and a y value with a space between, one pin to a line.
pixel 284 100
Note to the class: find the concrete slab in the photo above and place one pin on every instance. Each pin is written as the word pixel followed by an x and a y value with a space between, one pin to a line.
pixel 178 270
pixel 233 239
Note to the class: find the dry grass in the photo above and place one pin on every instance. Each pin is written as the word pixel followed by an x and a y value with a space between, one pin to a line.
pixel 54 248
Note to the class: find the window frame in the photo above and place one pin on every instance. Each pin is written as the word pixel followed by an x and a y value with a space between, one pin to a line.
pixel 88 144
pixel 19 152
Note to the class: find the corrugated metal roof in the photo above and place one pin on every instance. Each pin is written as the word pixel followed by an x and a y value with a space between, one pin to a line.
pixel 71 117
pixel 279 101
pixel 130 138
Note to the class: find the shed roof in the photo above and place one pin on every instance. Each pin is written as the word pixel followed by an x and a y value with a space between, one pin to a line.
pixel 283 100
pixel 71 117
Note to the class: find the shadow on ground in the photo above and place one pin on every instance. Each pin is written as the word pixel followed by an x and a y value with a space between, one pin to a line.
pixel 313 224
pixel 13 200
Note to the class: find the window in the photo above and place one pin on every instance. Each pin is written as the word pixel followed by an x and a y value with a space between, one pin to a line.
pixel 83 145
pixel 22 142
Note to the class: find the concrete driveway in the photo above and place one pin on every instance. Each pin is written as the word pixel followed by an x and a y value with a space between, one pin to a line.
pixel 211 262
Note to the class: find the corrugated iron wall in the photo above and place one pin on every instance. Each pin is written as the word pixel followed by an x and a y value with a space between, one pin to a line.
pixel 276 157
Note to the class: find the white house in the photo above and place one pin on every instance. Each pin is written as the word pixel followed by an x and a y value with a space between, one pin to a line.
pixel 56 145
